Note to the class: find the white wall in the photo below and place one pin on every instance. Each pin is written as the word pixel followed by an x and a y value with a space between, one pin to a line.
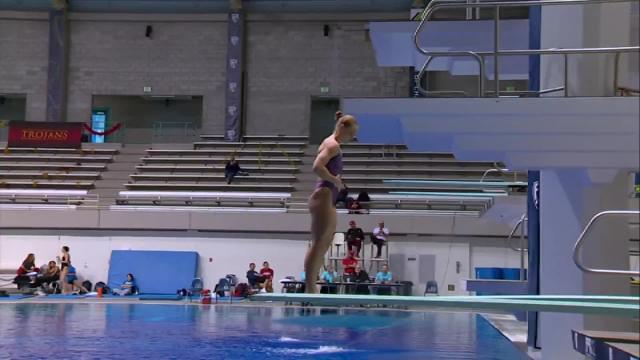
pixel 599 25
pixel 90 254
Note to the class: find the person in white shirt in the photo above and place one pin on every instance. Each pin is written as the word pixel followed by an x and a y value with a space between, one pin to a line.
pixel 379 238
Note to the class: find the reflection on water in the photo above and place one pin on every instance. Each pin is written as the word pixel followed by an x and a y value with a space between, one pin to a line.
pixel 87 331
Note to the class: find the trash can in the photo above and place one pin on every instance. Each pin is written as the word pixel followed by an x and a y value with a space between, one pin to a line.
pixel 406 288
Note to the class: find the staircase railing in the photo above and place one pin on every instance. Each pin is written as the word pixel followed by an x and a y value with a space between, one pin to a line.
pixel 478 56
pixel 577 249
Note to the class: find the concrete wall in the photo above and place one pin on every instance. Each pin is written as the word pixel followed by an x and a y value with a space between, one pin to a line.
pixel 23 59
pixel 110 55
pixel 289 61
pixel 181 118
pixel 599 25
pixel 232 254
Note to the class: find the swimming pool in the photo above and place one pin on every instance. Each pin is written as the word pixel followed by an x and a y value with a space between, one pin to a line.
pixel 144 331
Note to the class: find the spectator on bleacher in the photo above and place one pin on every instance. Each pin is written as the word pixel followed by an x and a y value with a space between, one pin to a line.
pixel 267 273
pixel 128 287
pixel 253 277
pixel 355 237
pixel 364 200
pixel 379 238
pixel 232 169
pixel 354 207
pixel 329 276
pixel 349 264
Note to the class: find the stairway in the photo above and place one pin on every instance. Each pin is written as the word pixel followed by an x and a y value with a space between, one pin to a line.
pixel 117 174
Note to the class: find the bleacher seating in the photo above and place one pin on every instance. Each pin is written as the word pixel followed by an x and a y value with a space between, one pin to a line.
pixel 16 198
pixel 195 177
pixel 383 171
pixel 195 198
pixel 398 180
pixel 52 168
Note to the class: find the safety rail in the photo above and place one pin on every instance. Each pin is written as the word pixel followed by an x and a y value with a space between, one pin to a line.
pixel 500 170
pixel 478 56
pixel 577 249
pixel 520 225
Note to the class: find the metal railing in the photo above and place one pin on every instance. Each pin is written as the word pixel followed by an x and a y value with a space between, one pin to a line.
pixel 577 249
pixel 478 56
pixel 521 225
pixel 499 170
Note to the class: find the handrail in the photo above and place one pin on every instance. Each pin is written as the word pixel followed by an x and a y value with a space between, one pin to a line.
pixel 434 5
pixel 523 220
pixel 577 253
pixel 499 170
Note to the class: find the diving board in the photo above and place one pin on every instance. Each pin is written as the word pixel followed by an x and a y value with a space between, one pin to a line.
pixel 615 306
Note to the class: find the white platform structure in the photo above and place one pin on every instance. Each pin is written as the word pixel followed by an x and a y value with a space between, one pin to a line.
pixel 584 148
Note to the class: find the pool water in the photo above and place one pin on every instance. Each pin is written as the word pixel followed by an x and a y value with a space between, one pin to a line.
pixel 143 331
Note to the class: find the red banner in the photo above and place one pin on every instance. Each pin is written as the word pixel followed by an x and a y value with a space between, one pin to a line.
pixel 45 134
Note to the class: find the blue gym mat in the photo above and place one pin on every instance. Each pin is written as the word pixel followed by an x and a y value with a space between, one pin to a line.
pixel 156 272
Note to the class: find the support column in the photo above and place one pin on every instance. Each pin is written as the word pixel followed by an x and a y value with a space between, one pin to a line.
pixel 568 199
pixel 533 238
pixel 58 60
pixel 235 73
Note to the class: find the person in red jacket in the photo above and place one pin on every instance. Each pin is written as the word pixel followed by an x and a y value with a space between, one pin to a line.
pixel 349 264
pixel 267 273
pixel 28 265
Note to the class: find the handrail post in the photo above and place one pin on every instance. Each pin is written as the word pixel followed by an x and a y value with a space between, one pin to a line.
pixel 496 50
pixel 566 75
pixel 616 65
pixel 522 232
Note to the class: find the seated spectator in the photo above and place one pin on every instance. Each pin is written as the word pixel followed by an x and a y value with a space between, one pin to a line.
pixel 26 273
pixel 253 277
pixel 48 275
pixel 232 169
pixel 28 265
pixel 329 276
pixel 128 287
pixel 361 277
pixel 364 200
pixel 355 237
pixel 72 280
pixel 384 277
pixel 354 207
pixel 349 264
pixel 267 273
pixel 343 197
pixel 379 238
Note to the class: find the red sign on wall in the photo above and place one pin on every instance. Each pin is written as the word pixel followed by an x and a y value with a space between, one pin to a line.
pixel 45 134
